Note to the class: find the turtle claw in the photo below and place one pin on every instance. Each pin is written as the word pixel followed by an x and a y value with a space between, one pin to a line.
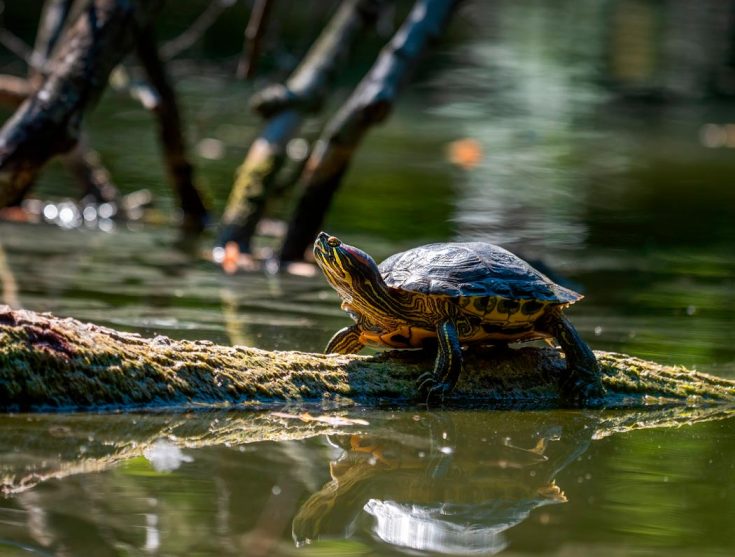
pixel 438 392
pixel 425 384
pixel 430 390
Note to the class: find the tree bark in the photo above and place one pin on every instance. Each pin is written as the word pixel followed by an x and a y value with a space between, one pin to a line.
pixel 370 104
pixel 48 363
pixel 48 122
pixel 286 107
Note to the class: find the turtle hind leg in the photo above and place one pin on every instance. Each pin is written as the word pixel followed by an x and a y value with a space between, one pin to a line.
pixel 583 381
pixel 447 367
pixel 345 341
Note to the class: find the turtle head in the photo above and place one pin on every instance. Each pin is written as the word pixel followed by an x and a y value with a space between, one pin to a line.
pixel 356 277
pixel 344 266
pixel 350 271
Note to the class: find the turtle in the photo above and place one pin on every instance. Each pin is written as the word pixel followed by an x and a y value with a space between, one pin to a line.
pixel 449 295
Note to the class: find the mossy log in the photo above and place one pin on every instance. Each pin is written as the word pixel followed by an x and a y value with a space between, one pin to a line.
pixel 49 363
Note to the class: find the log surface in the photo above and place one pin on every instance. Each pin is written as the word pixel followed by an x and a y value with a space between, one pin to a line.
pixel 50 363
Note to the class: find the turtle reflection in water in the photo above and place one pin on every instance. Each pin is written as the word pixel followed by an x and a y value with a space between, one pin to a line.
pixel 420 493
pixel 453 294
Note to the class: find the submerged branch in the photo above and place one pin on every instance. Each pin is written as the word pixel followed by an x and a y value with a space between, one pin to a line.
pixel 52 363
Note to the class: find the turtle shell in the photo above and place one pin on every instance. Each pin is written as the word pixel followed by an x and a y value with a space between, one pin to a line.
pixel 469 270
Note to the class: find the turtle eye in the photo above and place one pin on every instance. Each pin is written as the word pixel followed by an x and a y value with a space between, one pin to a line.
pixel 333 242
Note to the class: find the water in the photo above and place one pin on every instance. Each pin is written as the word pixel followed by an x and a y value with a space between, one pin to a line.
pixel 629 201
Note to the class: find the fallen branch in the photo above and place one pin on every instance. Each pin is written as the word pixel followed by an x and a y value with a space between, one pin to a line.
pixel 82 162
pixel 63 364
pixel 54 19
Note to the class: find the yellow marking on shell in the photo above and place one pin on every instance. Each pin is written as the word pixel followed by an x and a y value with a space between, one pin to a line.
pixel 511 311
pixel 477 305
pixel 493 309
pixel 533 315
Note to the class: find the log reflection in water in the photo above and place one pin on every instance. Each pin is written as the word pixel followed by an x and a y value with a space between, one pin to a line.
pixel 447 482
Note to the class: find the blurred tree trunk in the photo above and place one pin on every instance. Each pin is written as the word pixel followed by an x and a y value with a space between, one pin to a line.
pixel 82 162
pixel 180 169
pixel 370 104
pixel 285 107
pixel 49 121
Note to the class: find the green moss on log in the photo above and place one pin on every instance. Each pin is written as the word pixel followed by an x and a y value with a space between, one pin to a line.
pixel 52 363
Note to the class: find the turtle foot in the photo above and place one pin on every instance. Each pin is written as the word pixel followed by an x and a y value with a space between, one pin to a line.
pixel 583 391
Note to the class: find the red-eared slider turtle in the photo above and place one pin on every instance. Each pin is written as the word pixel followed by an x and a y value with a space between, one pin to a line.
pixel 454 294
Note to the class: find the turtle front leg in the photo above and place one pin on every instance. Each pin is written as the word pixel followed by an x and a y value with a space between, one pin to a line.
pixel 583 381
pixel 345 341
pixel 448 364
